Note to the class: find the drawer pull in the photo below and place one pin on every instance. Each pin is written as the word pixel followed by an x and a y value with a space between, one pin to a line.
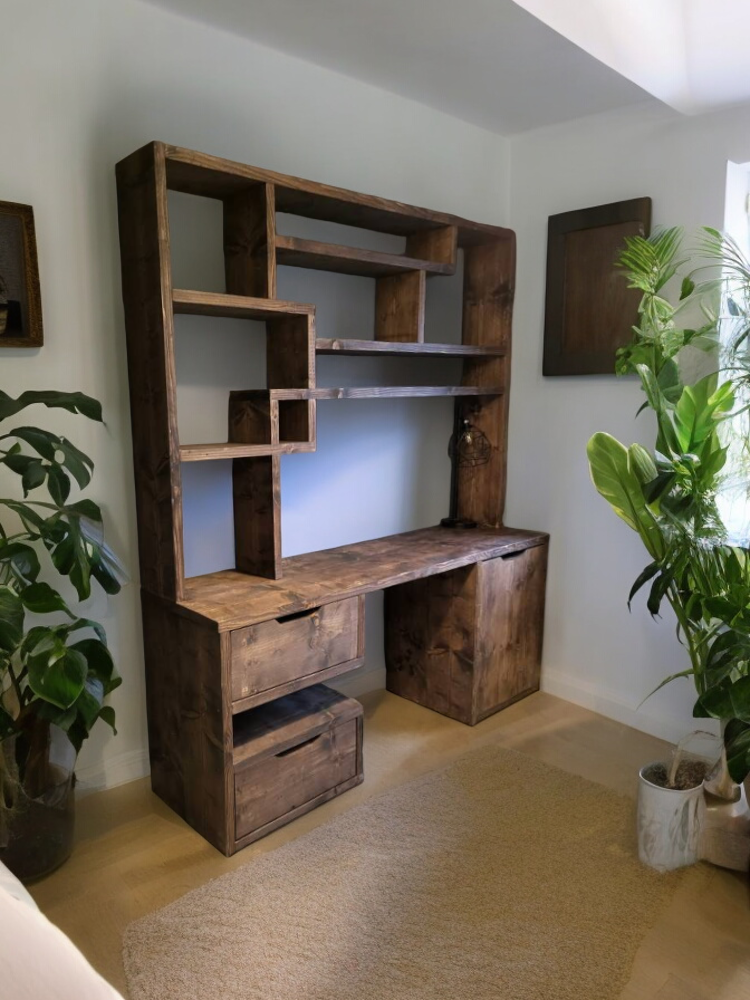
pixel 306 743
pixel 514 555
pixel 307 613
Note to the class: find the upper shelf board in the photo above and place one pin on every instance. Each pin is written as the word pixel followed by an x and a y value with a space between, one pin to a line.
pixel 379 348
pixel 214 177
pixel 294 252
pixel 235 306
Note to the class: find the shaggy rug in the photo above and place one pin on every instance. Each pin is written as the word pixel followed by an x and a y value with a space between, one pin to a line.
pixel 499 877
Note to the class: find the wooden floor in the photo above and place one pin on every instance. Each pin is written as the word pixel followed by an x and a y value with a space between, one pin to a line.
pixel 134 855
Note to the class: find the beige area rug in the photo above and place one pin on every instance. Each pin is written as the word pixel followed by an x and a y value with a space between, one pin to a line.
pixel 499 877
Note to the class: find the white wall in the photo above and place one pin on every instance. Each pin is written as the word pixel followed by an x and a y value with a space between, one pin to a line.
pixel 595 652
pixel 85 83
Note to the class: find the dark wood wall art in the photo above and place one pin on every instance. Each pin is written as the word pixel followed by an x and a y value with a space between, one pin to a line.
pixel 20 297
pixel 589 309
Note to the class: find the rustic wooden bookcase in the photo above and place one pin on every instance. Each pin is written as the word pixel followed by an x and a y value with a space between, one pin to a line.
pixel 464 609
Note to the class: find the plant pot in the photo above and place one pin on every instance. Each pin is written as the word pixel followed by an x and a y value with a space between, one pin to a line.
pixel 726 834
pixel 670 823
pixel 37 768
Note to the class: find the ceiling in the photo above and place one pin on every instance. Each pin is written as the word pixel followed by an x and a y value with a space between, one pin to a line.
pixel 489 62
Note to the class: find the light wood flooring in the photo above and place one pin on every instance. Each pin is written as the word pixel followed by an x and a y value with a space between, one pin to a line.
pixel 134 855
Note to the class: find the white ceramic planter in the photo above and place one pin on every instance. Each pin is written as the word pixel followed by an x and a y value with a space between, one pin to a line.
pixel 670 824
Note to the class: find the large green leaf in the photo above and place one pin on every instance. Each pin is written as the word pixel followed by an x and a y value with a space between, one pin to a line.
pixel 58 679
pixel 11 619
pixel 613 477
pixel 74 402
pixel 22 558
pixel 737 746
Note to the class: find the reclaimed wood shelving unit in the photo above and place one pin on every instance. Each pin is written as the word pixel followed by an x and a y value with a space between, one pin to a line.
pixel 464 609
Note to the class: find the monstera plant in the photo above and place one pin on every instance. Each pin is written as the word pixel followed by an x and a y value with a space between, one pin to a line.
pixel 55 667
pixel 668 494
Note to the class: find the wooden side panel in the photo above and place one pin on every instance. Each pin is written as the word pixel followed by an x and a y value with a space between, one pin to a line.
pixel 249 247
pixel 290 352
pixel 430 642
pixel 256 491
pixel 253 418
pixel 510 625
pixel 147 297
pixel 275 652
pixel 297 420
pixel 489 279
pixel 399 307
pixel 189 724
pixel 434 244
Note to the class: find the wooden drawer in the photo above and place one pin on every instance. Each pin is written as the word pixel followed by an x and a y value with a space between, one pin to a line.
pixel 282 655
pixel 291 755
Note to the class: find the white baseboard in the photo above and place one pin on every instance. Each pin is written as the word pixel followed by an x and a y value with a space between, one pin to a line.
pixel 606 703
pixel 116 770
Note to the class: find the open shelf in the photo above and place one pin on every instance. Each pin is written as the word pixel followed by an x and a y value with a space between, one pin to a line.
pixel 223 451
pixel 388 391
pixel 194 303
pixel 234 600
pixel 294 252
pixel 379 348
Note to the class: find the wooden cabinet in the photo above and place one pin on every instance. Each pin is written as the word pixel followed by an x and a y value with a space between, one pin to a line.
pixel 464 608
pixel 469 642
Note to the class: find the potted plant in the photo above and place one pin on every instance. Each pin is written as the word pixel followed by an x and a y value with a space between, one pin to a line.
pixel 55 667
pixel 669 497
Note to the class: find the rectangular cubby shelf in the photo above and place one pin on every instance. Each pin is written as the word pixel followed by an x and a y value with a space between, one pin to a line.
pixel 463 609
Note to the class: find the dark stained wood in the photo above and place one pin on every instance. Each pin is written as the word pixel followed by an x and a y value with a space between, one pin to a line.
pixel 290 352
pixel 297 422
pixel 256 493
pixel 249 235
pixel 590 311
pixel 434 244
pixel 292 755
pixel 489 272
pixel 509 629
pixel 380 348
pixel 214 177
pixel 147 297
pixel 292 251
pixel 275 657
pixel 253 419
pixel 399 308
pixel 232 600
pixel 469 642
pixel 189 720
pixel 235 306
pixel 32 332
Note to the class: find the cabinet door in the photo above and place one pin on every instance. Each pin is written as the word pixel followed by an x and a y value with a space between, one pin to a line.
pixel 510 619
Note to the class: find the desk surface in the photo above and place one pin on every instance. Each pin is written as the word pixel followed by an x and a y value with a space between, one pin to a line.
pixel 234 600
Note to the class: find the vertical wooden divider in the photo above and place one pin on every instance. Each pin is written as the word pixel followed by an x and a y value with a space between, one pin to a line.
pixel 149 324
pixel 434 244
pixel 489 281
pixel 399 307
pixel 250 242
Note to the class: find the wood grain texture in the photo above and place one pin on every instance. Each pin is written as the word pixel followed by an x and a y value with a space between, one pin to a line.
pixel 274 653
pixel 256 494
pixel 249 235
pixel 387 391
pixel 189 722
pixel 32 334
pixel 147 298
pixel 489 282
pixel 293 251
pixel 290 352
pixel 223 451
pixel 297 423
pixel 234 600
pixel 399 308
pixel 213 177
pixel 235 306
pixel 380 348
pixel 292 755
pixel 434 244
pixel 589 310
pixel 469 642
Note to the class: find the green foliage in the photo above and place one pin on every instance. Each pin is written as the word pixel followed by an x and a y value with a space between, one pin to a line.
pixel 60 672
pixel 669 496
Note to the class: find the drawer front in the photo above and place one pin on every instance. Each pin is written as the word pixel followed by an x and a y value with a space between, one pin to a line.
pixel 270 788
pixel 277 652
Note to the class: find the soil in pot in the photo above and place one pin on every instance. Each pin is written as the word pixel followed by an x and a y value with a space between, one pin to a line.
pixel 690 774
